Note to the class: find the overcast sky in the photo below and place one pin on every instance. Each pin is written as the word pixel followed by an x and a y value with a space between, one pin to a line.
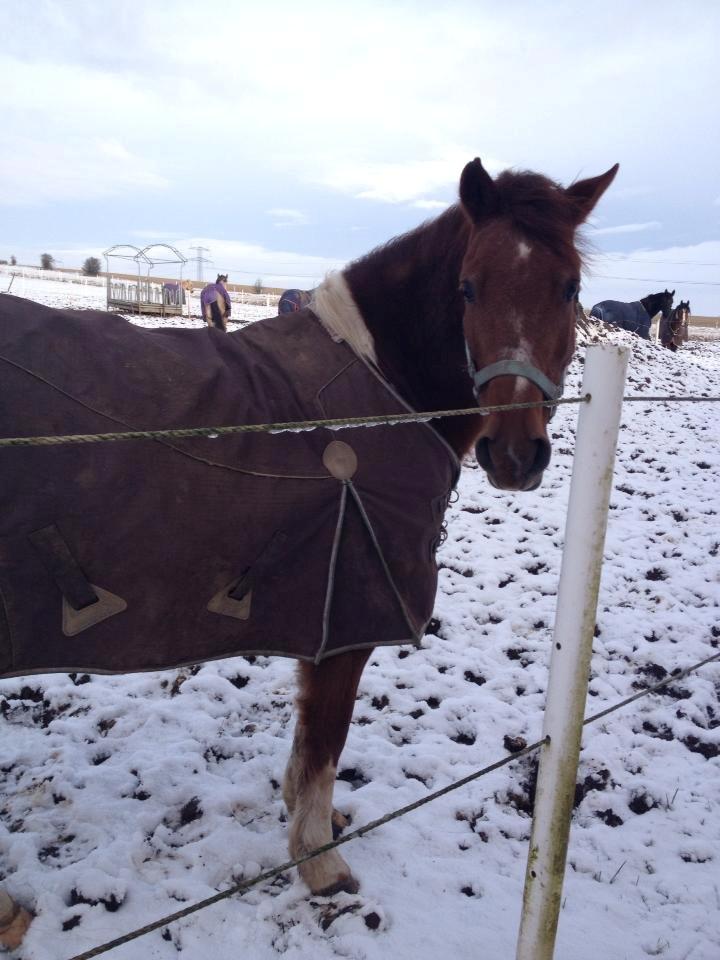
pixel 291 137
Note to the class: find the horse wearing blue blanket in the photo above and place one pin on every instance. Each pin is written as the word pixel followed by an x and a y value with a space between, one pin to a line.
pixel 636 316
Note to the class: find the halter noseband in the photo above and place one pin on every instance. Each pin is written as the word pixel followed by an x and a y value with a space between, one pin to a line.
pixel 514 368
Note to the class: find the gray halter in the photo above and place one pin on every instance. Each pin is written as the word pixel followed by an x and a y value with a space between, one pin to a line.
pixel 514 368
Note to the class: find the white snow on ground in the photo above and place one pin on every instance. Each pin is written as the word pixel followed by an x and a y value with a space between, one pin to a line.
pixel 123 799
pixel 80 296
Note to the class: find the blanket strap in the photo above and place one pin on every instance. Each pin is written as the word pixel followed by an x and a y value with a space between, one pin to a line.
pixel 84 604
pixel 235 598
pixel 62 567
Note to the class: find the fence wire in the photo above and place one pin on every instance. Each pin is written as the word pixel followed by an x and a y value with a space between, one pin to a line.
pixel 300 426
pixel 246 885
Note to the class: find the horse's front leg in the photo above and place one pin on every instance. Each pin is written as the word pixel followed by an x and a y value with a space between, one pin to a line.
pixel 325 705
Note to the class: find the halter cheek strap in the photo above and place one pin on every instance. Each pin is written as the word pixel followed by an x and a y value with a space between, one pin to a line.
pixel 514 368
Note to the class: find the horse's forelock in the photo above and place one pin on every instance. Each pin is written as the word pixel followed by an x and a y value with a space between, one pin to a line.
pixel 539 208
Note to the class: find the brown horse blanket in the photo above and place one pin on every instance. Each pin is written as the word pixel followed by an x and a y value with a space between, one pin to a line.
pixel 144 554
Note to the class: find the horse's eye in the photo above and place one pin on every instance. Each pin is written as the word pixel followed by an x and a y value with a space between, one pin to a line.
pixel 572 289
pixel 468 291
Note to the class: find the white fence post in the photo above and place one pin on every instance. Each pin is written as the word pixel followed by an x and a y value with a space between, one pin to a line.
pixel 598 423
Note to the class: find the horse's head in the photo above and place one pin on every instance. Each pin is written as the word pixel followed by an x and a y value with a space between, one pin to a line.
pixel 664 302
pixel 679 318
pixel 222 278
pixel 520 280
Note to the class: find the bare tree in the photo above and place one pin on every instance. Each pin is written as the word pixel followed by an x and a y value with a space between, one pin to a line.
pixel 13 261
pixel 258 286
pixel 47 261
pixel 91 267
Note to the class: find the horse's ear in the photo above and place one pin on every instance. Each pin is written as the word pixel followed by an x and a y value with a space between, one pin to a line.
pixel 477 191
pixel 585 193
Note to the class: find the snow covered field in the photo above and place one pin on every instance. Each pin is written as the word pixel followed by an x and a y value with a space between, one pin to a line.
pixel 124 798
pixel 91 296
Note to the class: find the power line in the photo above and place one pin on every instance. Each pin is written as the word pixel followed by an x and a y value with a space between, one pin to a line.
pixel 620 258
pixel 282 276
pixel 694 283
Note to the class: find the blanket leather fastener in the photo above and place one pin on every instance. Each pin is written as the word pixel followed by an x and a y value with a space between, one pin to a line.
pixel 294 544
pixel 340 460
pixel 106 605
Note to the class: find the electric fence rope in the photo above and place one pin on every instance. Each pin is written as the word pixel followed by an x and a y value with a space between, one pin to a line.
pixel 243 887
pixel 298 426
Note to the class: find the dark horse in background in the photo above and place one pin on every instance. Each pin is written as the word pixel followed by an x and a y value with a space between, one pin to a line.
pixel 635 316
pixel 293 300
pixel 475 307
pixel 674 329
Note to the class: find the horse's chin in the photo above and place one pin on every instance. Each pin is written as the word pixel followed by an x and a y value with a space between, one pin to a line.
pixel 525 486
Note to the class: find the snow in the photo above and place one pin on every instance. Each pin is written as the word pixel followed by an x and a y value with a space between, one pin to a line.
pixel 125 798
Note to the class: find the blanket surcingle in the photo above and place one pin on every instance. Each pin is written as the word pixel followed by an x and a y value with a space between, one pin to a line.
pixel 145 554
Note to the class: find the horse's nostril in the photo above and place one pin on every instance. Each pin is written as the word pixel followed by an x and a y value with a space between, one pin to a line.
pixel 542 455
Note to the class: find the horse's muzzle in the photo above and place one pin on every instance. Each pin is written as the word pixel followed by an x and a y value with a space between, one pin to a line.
pixel 513 467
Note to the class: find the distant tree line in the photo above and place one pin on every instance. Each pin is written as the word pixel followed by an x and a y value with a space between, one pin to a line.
pixel 90 268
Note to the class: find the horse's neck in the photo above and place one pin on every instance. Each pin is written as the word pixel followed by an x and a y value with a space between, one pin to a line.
pixel 407 294
pixel 653 305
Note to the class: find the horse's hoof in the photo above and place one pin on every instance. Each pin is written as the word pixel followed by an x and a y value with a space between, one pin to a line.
pixel 346 884
pixel 328 874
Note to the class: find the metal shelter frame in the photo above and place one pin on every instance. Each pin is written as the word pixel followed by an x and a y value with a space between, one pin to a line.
pixel 146 294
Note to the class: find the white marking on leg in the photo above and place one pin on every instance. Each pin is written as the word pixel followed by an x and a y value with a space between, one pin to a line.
pixel 312 827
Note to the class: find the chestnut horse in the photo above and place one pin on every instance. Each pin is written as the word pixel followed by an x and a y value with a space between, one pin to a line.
pixel 475 307
pixel 478 306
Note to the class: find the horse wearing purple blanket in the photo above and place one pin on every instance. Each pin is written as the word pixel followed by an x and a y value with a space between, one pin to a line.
pixel 215 303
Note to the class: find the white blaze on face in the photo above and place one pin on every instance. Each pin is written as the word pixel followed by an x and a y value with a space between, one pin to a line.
pixel 522 354
pixel 523 250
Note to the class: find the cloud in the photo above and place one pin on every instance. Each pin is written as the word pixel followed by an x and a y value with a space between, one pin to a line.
pixel 627 193
pixel 628 228
pixel 431 204
pixel 402 182
pixel 279 268
pixel 35 172
pixel 285 217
